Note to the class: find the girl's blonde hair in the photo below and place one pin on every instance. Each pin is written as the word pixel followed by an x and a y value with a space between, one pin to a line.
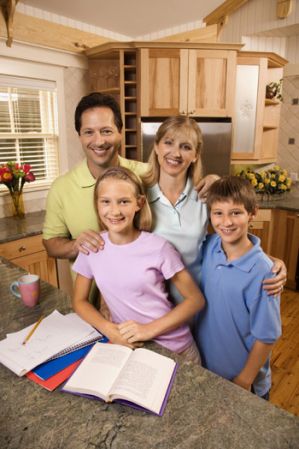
pixel 179 125
pixel 143 217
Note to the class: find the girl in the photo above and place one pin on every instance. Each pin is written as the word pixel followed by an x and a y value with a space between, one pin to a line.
pixel 131 270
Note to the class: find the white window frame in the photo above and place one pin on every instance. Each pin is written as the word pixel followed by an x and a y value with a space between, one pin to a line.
pixel 47 72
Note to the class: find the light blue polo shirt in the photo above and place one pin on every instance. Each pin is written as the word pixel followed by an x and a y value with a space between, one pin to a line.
pixel 238 311
pixel 183 224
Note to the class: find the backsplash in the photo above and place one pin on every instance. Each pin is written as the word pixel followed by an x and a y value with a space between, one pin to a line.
pixel 288 153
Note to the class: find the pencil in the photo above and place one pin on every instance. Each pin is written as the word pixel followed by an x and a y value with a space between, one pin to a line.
pixel 33 329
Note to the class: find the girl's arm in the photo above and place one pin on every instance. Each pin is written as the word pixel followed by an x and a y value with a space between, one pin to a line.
pixel 274 286
pixel 193 302
pixel 256 359
pixel 89 313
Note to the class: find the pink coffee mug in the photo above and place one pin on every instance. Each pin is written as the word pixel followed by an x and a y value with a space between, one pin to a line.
pixel 27 287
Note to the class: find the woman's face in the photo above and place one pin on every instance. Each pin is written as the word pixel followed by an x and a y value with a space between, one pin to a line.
pixel 175 152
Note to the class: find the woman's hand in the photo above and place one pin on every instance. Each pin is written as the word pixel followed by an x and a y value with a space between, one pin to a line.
pixel 88 241
pixel 135 332
pixel 203 186
pixel 274 286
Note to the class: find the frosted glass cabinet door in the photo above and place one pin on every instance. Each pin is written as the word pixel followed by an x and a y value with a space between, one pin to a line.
pixel 245 108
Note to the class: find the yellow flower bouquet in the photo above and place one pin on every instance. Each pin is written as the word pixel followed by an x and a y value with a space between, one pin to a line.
pixel 270 182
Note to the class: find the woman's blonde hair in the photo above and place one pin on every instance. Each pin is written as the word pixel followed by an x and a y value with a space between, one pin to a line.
pixel 143 217
pixel 179 125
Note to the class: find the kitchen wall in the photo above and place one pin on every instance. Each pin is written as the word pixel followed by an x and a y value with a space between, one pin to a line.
pixel 255 24
pixel 70 74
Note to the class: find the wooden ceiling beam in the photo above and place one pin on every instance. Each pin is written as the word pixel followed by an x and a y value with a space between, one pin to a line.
pixel 284 8
pixel 220 15
pixel 8 8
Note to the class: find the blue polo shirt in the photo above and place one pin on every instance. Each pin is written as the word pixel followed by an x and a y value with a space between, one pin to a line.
pixel 183 224
pixel 238 311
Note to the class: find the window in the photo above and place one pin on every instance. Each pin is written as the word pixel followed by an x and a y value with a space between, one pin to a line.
pixel 28 125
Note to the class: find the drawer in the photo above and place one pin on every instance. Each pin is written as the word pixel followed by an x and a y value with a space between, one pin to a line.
pixel 22 247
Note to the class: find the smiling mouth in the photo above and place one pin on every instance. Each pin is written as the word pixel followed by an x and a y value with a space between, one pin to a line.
pixel 100 151
pixel 173 162
pixel 227 230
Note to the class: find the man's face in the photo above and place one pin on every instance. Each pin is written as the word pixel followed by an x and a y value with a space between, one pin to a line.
pixel 100 139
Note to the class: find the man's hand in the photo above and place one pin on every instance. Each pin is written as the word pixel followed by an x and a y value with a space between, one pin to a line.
pixel 88 241
pixel 203 186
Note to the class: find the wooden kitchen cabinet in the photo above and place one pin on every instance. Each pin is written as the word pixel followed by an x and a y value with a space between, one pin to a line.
pixel 285 245
pixel 151 79
pixel 30 254
pixel 113 70
pixel 262 227
pixel 185 81
pixel 256 119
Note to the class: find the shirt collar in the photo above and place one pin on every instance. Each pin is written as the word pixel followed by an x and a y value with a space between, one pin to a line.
pixel 245 262
pixel 83 175
pixel 154 193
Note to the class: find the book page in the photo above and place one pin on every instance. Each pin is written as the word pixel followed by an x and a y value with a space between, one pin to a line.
pixel 144 379
pixel 56 332
pixel 98 371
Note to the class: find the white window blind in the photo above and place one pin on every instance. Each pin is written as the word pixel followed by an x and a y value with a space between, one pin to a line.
pixel 28 126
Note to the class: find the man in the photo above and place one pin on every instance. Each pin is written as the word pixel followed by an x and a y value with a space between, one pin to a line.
pixel 71 224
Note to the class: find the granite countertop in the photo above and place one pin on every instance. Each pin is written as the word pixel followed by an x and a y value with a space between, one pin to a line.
pixel 288 201
pixel 12 228
pixel 203 410
pixel 32 224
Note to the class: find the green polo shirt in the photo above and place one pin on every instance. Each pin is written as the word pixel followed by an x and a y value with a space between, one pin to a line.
pixel 69 209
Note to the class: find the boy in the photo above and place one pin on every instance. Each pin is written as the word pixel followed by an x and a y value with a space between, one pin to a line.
pixel 237 329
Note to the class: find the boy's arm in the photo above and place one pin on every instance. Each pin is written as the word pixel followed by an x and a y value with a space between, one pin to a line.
pixel 193 302
pixel 256 359
pixel 89 313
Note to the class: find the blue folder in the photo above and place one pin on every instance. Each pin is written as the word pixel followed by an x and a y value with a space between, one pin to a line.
pixel 51 367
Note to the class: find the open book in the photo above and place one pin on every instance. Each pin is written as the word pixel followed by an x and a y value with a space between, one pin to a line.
pixel 140 378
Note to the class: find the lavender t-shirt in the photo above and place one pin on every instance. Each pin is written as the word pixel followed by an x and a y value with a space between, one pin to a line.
pixel 131 279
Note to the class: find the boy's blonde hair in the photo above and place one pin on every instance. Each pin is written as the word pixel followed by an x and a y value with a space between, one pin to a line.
pixel 234 188
pixel 179 125
pixel 143 218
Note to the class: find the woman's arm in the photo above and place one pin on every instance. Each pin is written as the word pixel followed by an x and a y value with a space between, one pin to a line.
pixel 274 286
pixel 256 359
pixel 204 184
pixel 89 313
pixel 193 302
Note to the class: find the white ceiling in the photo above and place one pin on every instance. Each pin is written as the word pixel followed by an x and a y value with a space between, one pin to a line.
pixel 131 18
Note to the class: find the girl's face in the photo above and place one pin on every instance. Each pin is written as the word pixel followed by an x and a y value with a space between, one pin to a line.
pixel 175 152
pixel 117 205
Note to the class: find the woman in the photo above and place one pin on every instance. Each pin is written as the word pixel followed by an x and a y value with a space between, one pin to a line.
pixel 179 214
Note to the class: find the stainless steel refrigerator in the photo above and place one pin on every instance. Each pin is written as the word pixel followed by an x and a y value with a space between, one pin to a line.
pixel 216 152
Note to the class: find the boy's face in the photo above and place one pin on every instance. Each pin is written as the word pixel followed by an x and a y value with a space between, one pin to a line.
pixel 230 220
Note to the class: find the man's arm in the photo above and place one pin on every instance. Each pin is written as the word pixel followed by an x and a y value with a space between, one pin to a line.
pixel 64 248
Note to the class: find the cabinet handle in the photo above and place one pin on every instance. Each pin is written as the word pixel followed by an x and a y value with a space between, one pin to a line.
pixel 22 248
pixel 183 113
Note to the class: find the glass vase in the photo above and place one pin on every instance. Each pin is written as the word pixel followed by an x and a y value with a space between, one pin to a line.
pixel 18 204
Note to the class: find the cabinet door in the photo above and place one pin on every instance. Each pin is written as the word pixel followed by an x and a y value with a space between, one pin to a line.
pixel 163 86
pixel 261 226
pixel 29 253
pixel 211 83
pixel 285 246
pixel 256 118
